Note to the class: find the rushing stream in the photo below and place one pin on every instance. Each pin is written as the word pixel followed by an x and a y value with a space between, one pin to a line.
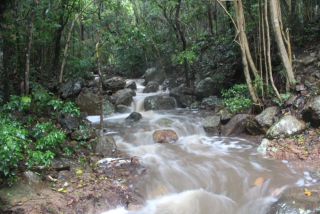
pixel 199 174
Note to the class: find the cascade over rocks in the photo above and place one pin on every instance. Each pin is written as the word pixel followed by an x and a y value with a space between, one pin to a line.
pixel 154 74
pixel 151 87
pixel 165 136
pixel 114 84
pixel 311 112
pixel 183 95
pixel 124 97
pixel 159 102
pixel 71 88
pixel 286 126
pixel 205 88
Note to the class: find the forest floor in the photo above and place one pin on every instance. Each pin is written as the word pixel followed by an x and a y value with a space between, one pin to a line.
pixel 82 189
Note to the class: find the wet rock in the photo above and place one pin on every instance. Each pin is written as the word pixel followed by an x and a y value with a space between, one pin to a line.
pixel 211 124
pixel 71 88
pixel 68 122
pixel 159 102
pixel 211 103
pixel 205 88
pixel 89 103
pixel 286 126
pixel 32 177
pixel 183 95
pixel 236 125
pixel 165 136
pixel 114 84
pixel 225 116
pixel 263 147
pixel 105 146
pixel 134 117
pixel 132 85
pixel 253 127
pixel 267 117
pixel 295 201
pixel 262 122
pixel 123 109
pixel 151 87
pixel 124 97
pixel 311 112
pixel 154 74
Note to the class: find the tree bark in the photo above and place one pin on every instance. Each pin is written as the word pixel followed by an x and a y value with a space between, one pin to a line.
pixel 65 52
pixel 274 11
pixel 28 53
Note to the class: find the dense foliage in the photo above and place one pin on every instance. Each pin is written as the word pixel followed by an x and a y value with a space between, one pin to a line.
pixel 26 142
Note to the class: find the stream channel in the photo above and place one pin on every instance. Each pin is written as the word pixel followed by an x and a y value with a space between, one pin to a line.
pixel 199 174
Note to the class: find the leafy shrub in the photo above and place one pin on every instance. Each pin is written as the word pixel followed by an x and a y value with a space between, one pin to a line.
pixel 13 140
pixel 284 97
pixel 237 99
pixel 39 158
pixel 17 103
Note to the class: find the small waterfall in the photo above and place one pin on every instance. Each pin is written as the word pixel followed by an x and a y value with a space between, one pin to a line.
pixel 138 100
pixel 198 174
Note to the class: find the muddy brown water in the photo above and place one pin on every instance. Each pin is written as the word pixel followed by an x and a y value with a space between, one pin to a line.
pixel 199 174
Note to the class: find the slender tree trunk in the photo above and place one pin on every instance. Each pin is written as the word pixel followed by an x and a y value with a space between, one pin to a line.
pixel 269 52
pixel 65 53
pixel 274 7
pixel 242 41
pixel 28 53
pixel 210 19
pixel 100 85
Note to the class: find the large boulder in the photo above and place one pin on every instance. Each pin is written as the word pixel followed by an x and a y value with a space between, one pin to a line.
pixel 151 87
pixel 154 74
pixel 124 97
pixel 106 146
pixel 237 125
pixel 89 103
pixel 211 124
pixel 183 95
pixel 165 136
pixel 205 88
pixel 132 85
pixel 311 112
pixel 68 122
pixel 286 126
pixel 262 122
pixel 114 84
pixel 211 103
pixel 71 88
pixel 297 200
pixel 159 102
pixel 123 109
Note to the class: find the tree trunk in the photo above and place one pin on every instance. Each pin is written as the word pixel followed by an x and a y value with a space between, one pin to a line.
pixel 274 10
pixel 27 71
pixel 242 41
pixel 65 53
